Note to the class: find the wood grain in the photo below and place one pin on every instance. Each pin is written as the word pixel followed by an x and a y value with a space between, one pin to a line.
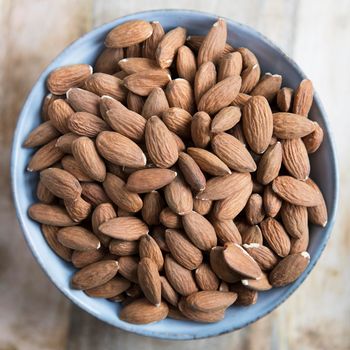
pixel 315 33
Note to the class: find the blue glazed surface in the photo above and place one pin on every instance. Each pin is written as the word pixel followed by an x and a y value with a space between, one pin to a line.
pixel 85 50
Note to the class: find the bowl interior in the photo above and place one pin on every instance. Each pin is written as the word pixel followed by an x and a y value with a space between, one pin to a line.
pixel 85 50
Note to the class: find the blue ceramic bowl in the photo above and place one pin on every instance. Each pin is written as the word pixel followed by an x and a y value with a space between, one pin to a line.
pixel 85 50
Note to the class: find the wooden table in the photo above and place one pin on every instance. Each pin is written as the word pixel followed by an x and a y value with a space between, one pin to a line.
pixel 34 314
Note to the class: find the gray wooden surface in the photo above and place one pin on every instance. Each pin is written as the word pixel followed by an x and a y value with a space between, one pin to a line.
pixel 34 315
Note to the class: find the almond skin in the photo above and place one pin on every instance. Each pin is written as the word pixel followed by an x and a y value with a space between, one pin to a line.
pixel 61 183
pixel 85 153
pixel 200 129
pixel 206 278
pixel 199 230
pixel 202 207
pixel 264 256
pixel 289 269
pixel 62 79
pixel 169 219
pixel 230 64
pixel 78 238
pixel 178 120
pixel 182 250
pixel 43 194
pixel 50 234
pixel 113 287
pixel 191 172
pixel 268 86
pixel 86 124
pixel 272 203
pixel 254 209
pixel 120 150
pixel 153 204
pixel 270 164
pixel 141 311
pixel 73 167
pixel 107 61
pixel 296 192
pixel 83 101
pixel 160 143
pixel 94 275
pixel 317 214
pixel 252 235
pixel 78 209
pixel 314 140
pixel 226 230
pixel 94 193
pixel 155 104
pixel 120 194
pixel 204 79
pixel 125 228
pixel 101 214
pixel 64 142
pixel 303 98
pixel 284 99
pixel 41 135
pixel 123 248
pixel 149 248
pixel 179 277
pixel 186 65
pixel 257 123
pixel 50 215
pixel 128 34
pixel 246 296
pixel 149 280
pixel 261 284
pixel 137 64
pixel 150 45
pixel 295 219
pixel 147 180
pixel 179 93
pixel 168 292
pixel 233 153
pixel 226 119
pixel 128 266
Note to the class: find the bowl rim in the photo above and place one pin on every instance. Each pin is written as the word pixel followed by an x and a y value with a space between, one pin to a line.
pixel 129 327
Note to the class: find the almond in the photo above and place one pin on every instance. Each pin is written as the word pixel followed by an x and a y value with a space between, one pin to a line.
pixel 270 164
pixel 178 120
pixel 41 135
pixel 133 51
pixel 220 95
pixel 149 280
pixel 296 192
pixel 209 301
pixel 168 46
pixel 141 311
pixel 134 102
pixel 298 245
pixel 295 219
pixel 317 214
pixel 182 250
pixel 260 284
pixel 83 258
pixel 264 256
pixel 200 129
pixel 240 100
pixel 272 203
pixel 149 248
pixel 107 61
pixel 202 207
pixel 102 213
pixel 208 162
pixel 226 119
pixel 153 204
pixel 296 159
pixel 50 234
pixel 86 124
pixel 78 238
pixel 206 278
pixel 226 231
pixel 62 79
pixel 233 153
pixel 268 86
pixel 314 140
pixel 120 194
pixel 94 275
pixel 199 230
pixel 179 94
pixel 50 215
pixel 289 269
pixel 125 228
pixel 276 236
pixel 94 193
pixel 191 172
pixel 213 44
pixel 252 235
pixel 73 167
pixel 120 150
pixel 179 277
pixel 160 143
pixel 49 98
pixel 204 79
pixel 169 219
pixel 109 289
pixel 195 41
pixel 78 209
pixel 128 34
pixel 229 65
pixel 43 194
pixel 254 209
pixel 158 234
pixel 83 101
pixel 155 104
pixel 64 142
pixel 250 77
pixel 168 292
pixel 303 98
pixel 147 180
pixel 137 64
pixel 284 99
pixel 291 126
pixel 85 153
pixel 128 266
pixel 123 248
pixel 150 45
pixel 186 64
pixel 245 296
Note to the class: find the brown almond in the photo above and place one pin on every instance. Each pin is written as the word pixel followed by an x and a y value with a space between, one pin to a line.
pixel 195 41
pixel 264 256
pixel 120 194
pixel 41 135
pixel 50 234
pixel 200 129
pixel 204 79
pixel 85 153
pixel 125 228
pixel 295 219
pixel 179 94
pixel 150 45
pixel 178 120
pixel 83 101
pixel 314 140
pixel 95 274
pixel 107 61
pixel 86 124
pixel 206 278
pixel 317 214
pixel 229 65
pixel 221 187
pixel 64 142
pixel 179 143
pixel 141 311
pixel 245 296
pixel 202 207
pixel 120 150
pixel 284 99
pixel 149 280
pixel 220 95
pixel 62 79
pixel 153 204
pixel 78 209
pixel 289 269
pixel 103 84
pixel 186 64
pixel 250 78
pixel 272 203
pixel 133 51
pixel 298 245
pixel 148 248
pixel 254 209
pixel 94 193
pixel 252 235
pixel 270 164
pixel 178 196
pixel 209 301
pixel 291 126
pixel 155 104
pixel 268 86
pixel 226 231
pixel 276 236
pixel 296 192
pixel 303 98
pixel 191 172
pixel 160 143
pixel 113 287
pixel 73 167
pixel 50 215
pixel 182 250
pixel 208 162
pixel 295 158
pixel 240 100
pixel 260 284
pixel 169 45
pixel 128 34
pixel 158 234
pixel 102 213
pixel 128 266
pixel 123 248
pixel 199 230
pixel 43 194
pixel 168 292
pixel 134 102
pixel 49 98
pixel 137 64
pixel 180 278
pixel 169 219
pixel 233 153
pixel 257 123
pixel 226 119
pixel 78 238
pixel 213 44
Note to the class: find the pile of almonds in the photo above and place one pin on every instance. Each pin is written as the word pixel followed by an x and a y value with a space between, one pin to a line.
pixel 174 176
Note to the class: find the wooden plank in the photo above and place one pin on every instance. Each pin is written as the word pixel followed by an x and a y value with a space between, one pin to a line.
pixel 34 313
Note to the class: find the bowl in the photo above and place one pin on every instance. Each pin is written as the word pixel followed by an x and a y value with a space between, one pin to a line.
pixel 85 50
